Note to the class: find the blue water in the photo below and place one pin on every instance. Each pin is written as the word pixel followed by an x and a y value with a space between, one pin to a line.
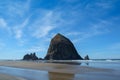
pixel 112 75
pixel 102 64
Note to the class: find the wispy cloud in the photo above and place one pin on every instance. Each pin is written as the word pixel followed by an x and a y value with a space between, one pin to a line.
pixel 43 31
pixel 36 49
pixel 3 23
pixel 18 8
pixel 95 29
pixel 104 4
pixel 101 27
pixel 101 5
pixel 18 33
pixel 42 26
pixel 18 29
pixel 15 17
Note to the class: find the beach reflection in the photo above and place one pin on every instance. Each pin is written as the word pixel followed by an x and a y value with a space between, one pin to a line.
pixel 87 63
pixel 67 62
pixel 60 76
pixel 29 74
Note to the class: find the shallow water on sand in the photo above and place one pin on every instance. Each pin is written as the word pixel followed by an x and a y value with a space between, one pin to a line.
pixel 29 74
pixel 103 64
pixel 112 65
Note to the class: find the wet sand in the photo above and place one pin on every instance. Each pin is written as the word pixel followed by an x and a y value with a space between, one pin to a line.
pixel 51 67
pixel 8 77
pixel 56 71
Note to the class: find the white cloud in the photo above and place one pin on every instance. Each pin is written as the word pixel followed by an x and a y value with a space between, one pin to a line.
pixel 104 4
pixel 3 23
pixel 18 29
pixel 16 13
pixel 18 8
pixel 100 4
pixel 95 30
pixel 101 27
pixel 18 33
pixel 43 31
pixel 36 49
pixel 42 26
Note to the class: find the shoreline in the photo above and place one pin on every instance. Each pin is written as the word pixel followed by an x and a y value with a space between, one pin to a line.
pixel 53 71
pixel 52 67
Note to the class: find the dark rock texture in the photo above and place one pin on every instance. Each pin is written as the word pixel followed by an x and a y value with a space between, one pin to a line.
pixel 86 57
pixel 61 48
pixel 31 56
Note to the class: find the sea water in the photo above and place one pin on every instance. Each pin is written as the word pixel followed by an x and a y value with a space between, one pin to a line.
pixel 113 65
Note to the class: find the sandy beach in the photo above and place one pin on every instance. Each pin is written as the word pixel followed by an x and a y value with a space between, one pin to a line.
pixel 56 71
pixel 51 67
pixel 8 77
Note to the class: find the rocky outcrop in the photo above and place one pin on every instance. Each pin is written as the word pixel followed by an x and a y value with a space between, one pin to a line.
pixel 86 57
pixel 61 48
pixel 31 56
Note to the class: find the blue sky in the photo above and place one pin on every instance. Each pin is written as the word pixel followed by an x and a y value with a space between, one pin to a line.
pixel 28 25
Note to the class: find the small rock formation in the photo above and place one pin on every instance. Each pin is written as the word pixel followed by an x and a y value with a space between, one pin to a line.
pixel 31 56
pixel 61 48
pixel 40 59
pixel 86 57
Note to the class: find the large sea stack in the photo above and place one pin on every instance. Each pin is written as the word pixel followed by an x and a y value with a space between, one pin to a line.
pixel 61 48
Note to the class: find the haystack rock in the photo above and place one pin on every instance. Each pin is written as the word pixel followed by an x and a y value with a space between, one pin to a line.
pixel 61 48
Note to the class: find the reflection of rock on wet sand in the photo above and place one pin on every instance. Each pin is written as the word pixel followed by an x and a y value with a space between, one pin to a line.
pixel 66 62
pixel 60 76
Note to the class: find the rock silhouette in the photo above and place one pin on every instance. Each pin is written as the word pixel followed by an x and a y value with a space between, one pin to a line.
pixel 31 56
pixel 61 48
pixel 86 57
